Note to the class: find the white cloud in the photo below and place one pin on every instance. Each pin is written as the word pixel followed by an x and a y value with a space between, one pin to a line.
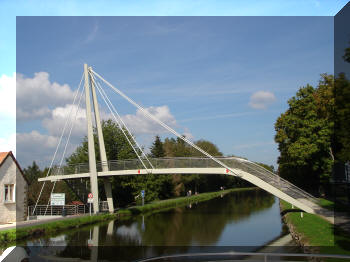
pixel 8 96
pixel 141 124
pixel 57 120
pixel 35 96
pixel 34 137
pixel 188 134
pixel 8 144
pixel 35 146
pixel 92 34
pixel 261 99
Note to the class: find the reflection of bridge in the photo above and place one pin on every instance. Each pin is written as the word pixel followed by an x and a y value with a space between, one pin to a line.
pixel 234 166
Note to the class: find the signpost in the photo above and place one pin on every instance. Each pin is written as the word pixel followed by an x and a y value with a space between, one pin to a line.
pixel 58 199
pixel 143 196
pixel 90 200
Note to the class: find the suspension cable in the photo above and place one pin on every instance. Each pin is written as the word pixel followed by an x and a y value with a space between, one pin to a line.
pixel 163 124
pixel 121 128
pixel 65 147
pixel 59 142
pixel 103 94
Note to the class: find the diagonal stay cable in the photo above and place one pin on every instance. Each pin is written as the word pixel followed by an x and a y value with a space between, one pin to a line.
pixel 121 128
pixel 65 147
pixel 164 125
pixel 59 142
pixel 104 96
pixel 120 119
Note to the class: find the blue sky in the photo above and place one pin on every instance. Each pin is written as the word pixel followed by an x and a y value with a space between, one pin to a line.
pixel 224 79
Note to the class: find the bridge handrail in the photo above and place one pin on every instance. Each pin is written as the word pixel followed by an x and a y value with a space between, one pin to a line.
pixel 280 179
pixel 189 162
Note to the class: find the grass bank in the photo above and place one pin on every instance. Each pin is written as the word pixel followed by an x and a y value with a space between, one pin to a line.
pixel 316 234
pixel 337 207
pixel 10 236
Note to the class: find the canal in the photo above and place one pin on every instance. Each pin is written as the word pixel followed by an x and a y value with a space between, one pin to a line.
pixel 240 221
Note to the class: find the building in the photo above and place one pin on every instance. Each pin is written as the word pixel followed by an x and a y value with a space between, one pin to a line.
pixel 13 190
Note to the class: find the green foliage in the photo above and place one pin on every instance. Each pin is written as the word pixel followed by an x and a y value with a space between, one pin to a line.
pixel 342 123
pixel 304 133
pixel 117 146
pixel 270 168
pixel 157 149
pixel 32 173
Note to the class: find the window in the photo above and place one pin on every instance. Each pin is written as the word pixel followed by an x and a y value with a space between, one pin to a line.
pixel 9 193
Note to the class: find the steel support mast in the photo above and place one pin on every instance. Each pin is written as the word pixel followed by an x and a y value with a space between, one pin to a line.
pixel 107 183
pixel 91 145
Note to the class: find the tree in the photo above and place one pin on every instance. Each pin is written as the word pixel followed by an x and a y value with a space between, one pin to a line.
pixel 271 168
pixel 116 144
pixel 304 133
pixel 207 146
pixel 157 149
pixel 117 148
pixel 346 56
pixel 32 173
pixel 342 112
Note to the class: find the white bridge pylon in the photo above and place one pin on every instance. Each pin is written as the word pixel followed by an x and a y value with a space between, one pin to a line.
pixel 233 166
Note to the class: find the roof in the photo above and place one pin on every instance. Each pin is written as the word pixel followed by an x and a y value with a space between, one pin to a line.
pixel 5 155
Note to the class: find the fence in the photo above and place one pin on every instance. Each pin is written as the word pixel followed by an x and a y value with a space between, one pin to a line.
pixel 49 210
pixel 69 210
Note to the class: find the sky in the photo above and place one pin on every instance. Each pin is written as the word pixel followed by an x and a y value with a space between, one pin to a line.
pixel 223 79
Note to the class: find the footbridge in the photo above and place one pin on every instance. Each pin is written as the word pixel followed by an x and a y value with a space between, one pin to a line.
pixel 143 165
pixel 239 167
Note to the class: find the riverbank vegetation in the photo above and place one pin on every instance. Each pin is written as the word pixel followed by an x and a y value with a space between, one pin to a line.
pixel 316 234
pixel 10 236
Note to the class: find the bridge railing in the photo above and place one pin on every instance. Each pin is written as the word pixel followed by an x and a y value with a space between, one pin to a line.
pixel 192 162
pixel 277 181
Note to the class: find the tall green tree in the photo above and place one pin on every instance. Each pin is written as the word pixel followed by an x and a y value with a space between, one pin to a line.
pixel 342 123
pixel 117 148
pixel 157 149
pixel 32 173
pixel 342 113
pixel 116 144
pixel 304 133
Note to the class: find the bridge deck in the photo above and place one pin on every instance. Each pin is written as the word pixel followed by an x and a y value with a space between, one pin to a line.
pixel 242 168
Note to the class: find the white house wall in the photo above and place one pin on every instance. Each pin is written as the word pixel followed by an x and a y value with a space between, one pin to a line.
pixel 10 174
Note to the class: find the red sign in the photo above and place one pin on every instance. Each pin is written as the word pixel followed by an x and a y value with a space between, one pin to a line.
pixel 227 170
pixel 90 195
pixel 138 171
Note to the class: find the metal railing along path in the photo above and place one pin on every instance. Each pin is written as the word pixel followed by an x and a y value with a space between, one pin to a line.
pixel 49 210
pixel 44 210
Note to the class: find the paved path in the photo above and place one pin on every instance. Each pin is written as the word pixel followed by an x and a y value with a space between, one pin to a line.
pixel 35 222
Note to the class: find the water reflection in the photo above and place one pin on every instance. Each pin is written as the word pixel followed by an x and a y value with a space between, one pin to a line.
pixel 246 219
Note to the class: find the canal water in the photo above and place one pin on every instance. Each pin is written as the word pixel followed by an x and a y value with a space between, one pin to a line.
pixel 241 221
